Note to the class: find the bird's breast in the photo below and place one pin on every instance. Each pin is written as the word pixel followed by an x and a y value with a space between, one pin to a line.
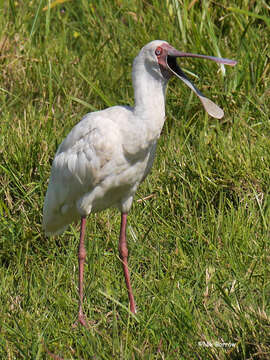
pixel 119 183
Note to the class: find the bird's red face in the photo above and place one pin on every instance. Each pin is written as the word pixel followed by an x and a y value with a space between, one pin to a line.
pixel 161 54
pixel 166 57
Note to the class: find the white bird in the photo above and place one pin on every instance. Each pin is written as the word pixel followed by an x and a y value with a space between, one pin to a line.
pixel 105 157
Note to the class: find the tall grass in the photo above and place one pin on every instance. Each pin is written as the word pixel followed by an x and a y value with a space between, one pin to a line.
pixel 199 239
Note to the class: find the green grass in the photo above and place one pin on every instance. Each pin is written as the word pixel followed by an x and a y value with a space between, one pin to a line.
pixel 199 246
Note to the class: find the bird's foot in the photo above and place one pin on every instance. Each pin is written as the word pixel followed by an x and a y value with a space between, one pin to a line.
pixel 81 320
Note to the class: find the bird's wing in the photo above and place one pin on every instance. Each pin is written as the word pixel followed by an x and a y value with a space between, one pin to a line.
pixel 81 163
pixel 90 145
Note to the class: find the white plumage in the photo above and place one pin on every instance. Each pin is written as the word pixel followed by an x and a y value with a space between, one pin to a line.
pixel 108 153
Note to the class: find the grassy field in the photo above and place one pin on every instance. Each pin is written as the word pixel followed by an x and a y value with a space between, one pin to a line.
pixel 199 244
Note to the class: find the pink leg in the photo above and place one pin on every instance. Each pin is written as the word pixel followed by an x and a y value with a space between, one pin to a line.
pixel 81 258
pixel 123 251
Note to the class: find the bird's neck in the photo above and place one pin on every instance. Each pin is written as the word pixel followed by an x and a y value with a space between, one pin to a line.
pixel 150 94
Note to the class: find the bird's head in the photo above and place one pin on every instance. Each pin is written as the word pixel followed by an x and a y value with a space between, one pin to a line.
pixel 159 58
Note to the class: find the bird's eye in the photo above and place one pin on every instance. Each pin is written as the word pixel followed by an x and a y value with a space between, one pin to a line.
pixel 158 51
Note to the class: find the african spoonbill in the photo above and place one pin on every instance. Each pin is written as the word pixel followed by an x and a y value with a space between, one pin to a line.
pixel 105 157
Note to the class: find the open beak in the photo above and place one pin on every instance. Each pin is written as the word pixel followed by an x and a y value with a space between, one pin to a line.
pixel 211 108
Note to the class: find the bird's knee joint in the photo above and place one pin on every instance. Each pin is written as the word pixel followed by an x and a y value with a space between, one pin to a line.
pixel 123 251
